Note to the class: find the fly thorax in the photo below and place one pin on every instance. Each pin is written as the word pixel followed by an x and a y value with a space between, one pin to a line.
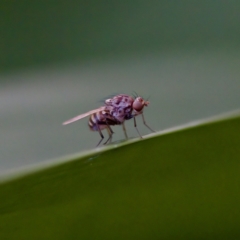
pixel 119 114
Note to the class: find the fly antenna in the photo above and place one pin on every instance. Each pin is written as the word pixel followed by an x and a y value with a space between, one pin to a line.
pixel 135 94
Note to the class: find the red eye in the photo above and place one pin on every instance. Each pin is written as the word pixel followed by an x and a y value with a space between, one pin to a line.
pixel 138 104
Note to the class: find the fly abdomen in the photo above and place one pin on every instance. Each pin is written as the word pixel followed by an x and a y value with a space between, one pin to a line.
pixel 96 122
pixel 101 120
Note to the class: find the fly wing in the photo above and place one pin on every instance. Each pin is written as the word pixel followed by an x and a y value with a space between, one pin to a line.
pixel 83 115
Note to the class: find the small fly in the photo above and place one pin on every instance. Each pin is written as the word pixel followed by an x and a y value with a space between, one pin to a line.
pixel 115 111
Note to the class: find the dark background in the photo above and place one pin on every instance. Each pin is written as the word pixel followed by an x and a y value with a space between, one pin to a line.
pixel 59 59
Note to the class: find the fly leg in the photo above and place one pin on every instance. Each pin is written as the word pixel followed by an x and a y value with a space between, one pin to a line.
pixel 144 122
pixel 135 125
pixel 124 130
pixel 101 135
pixel 110 133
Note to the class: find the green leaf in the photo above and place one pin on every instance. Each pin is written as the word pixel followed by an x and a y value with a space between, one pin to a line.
pixel 178 185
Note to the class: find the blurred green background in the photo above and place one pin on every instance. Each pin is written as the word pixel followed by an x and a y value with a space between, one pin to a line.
pixel 34 33
pixel 59 59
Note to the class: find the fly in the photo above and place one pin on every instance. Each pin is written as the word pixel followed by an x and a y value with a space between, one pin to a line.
pixel 115 111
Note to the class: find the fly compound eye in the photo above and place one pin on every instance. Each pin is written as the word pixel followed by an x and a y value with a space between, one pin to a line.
pixel 138 104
